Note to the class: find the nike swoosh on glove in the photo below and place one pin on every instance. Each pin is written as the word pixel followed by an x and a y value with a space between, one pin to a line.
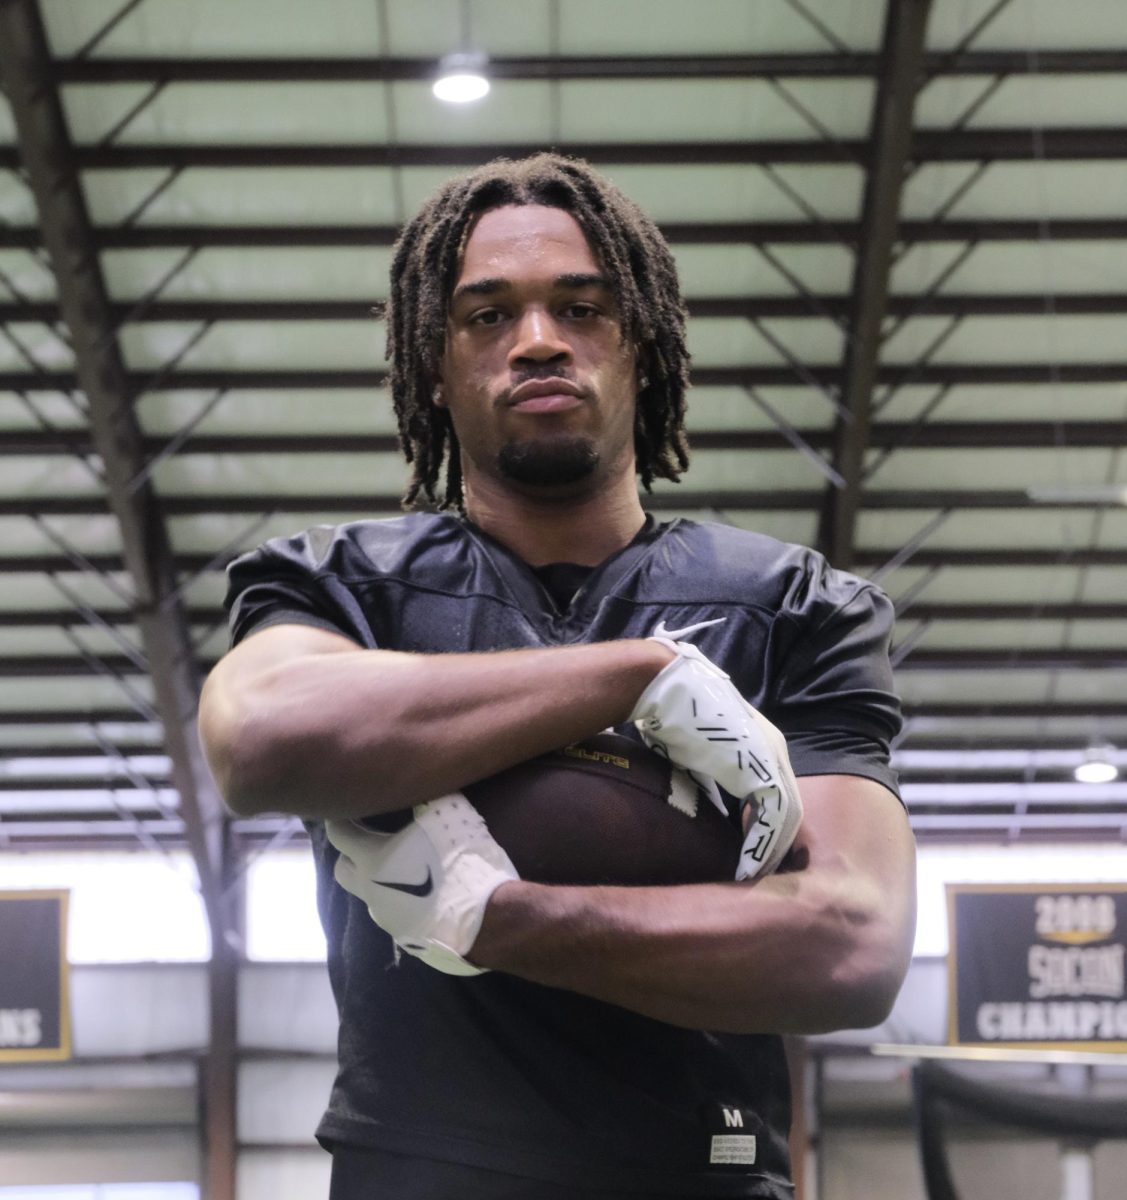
pixel 428 883
pixel 692 713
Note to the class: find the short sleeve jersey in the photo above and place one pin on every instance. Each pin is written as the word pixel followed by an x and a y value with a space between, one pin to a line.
pixel 501 1073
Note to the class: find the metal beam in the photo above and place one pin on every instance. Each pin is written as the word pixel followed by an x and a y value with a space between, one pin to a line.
pixel 960 824
pixel 971 710
pixel 1036 558
pixel 936 613
pixel 46 154
pixel 702 307
pixel 368 69
pixel 937 435
pixel 182 156
pixel 16 750
pixel 137 801
pixel 81 718
pixel 137 798
pixel 986 775
pixel 949 826
pixel 142 237
pixel 827 376
pixel 975 711
pixel 917 741
pixel 901 74
pixel 667 498
pixel 114 431
pixel 995 658
pixel 1016 658
pixel 65 618
pixel 929 145
pixel 113 833
pixel 60 564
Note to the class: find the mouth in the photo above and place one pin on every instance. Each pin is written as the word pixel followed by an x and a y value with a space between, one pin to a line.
pixel 545 396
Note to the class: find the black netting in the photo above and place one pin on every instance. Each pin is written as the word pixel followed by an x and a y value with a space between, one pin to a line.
pixel 1054 1112
pixel 931 1137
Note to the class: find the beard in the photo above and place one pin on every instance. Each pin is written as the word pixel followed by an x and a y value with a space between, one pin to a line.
pixel 554 462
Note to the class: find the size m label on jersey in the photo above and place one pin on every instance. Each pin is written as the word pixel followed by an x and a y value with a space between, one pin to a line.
pixel 733 1136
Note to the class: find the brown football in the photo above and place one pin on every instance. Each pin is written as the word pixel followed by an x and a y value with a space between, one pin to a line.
pixel 600 812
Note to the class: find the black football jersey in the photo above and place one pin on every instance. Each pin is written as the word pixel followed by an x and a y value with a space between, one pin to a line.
pixel 498 1072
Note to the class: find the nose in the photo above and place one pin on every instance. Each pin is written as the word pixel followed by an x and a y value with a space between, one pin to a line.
pixel 538 338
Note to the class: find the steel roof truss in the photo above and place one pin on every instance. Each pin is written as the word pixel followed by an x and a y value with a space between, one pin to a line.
pixel 891 141
pixel 48 157
pixel 133 237
pixel 379 68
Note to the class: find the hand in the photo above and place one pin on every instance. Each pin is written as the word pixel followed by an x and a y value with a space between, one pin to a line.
pixel 428 883
pixel 692 713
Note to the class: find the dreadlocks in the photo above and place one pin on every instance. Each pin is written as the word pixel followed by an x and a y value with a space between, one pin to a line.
pixel 632 253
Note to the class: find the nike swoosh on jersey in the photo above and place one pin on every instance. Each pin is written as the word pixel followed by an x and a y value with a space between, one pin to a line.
pixel 661 631
pixel 412 889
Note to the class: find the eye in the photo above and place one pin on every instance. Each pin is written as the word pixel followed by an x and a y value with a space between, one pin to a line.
pixel 486 316
pixel 580 309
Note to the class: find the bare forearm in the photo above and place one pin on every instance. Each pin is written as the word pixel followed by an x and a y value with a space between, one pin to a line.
pixel 686 956
pixel 351 733
pixel 821 947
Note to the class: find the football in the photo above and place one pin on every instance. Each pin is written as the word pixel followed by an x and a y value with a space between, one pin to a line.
pixel 607 810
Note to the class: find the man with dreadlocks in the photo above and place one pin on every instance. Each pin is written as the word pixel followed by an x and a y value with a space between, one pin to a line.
pixel 501 1038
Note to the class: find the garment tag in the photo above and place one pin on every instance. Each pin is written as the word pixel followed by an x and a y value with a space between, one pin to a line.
pixel 732 1150
pixel 733 1136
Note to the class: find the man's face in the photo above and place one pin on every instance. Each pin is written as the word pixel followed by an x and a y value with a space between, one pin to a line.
pixel 540 384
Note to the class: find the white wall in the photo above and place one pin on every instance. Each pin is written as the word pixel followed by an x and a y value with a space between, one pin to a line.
pixel 283 1175
pixel 99 1156
pixel 883 1164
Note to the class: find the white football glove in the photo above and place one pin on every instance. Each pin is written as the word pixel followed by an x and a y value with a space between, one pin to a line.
pixel 692 713
pixel 428 883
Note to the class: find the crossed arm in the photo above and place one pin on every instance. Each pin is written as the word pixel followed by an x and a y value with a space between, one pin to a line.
pixel 298 720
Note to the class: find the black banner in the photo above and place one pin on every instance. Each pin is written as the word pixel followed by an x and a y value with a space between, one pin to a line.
pixel 34 983
pixel 1037 966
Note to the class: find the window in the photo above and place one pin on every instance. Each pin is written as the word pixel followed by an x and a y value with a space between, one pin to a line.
pixel 104 1191
pixel 124 906
pixel 282 921
pixel 1054 863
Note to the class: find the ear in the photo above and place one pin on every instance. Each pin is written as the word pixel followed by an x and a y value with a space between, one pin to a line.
pixel 438 396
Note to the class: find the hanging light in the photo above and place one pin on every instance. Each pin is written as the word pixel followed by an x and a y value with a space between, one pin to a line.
pixel 1098 766
pixel 461 77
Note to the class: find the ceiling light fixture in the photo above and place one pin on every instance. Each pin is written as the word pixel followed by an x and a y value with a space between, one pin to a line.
pixel 461 77
pixel 1098 766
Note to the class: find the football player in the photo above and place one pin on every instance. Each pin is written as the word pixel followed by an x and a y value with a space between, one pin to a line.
pixel 501 1037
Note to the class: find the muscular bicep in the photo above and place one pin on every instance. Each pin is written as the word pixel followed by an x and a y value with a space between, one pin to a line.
pixel 277 644
pixel 238 687
pixel 855 814
pixel 246 665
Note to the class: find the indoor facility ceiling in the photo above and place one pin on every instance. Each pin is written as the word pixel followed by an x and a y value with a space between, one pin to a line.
pixel 902 233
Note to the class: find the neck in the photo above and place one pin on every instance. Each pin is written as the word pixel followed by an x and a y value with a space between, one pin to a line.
pixel 585 528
